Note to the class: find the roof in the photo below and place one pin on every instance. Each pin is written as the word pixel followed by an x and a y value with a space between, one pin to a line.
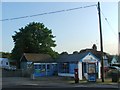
pixel 72 57
pixel 98 54
pixel 1 59
pixel 33 57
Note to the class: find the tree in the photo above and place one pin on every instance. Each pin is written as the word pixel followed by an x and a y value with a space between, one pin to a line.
pixel 33 38
pixel 75 52
pixel 94 47
pixel 5 54
pixel 64 53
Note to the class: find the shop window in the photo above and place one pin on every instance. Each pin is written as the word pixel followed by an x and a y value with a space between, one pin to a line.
pixel 65 68
pixel 39 66
pixel 91 68
pixel 48 66
pixel 43 68
pixel 36 66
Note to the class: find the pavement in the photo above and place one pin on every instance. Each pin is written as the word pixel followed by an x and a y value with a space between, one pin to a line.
pixel 56 81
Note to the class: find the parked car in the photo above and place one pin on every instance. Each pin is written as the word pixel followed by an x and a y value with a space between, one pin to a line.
pixel 6 67
pixel 13 68
pixel 115 67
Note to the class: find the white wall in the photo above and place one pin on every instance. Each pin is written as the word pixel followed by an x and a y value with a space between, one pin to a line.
pixel 66 74
pixel 80 70
pixel 99 70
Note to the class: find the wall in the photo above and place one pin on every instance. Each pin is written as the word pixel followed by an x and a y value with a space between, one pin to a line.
pixel 80 70
pixel 6 73
pixel 72 66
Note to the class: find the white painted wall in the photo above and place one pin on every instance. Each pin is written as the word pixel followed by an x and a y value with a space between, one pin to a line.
pixel 99 70
pixel 80 70
pixel 66 74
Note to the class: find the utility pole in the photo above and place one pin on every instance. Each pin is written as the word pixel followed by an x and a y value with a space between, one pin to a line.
pixel 101 44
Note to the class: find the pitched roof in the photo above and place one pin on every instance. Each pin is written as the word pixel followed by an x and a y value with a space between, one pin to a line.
pixel 98 54
pixel 72 57
pixel 33 57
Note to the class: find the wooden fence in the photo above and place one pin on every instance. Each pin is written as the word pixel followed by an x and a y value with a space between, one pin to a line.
pixel 10 73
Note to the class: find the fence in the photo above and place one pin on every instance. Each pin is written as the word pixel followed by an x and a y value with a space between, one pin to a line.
pixel 10 73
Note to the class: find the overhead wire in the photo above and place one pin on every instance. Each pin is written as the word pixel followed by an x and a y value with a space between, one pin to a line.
pixel 59 11
pixel 52 12
pixel 105 18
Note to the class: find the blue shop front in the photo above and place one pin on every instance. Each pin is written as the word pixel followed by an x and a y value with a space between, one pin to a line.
pixel 87 64
pixel 45 69
pixel 38 65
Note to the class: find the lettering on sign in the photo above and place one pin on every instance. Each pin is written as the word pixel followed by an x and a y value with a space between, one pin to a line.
pixel 88 60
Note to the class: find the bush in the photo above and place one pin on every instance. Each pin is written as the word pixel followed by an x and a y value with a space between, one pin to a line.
pixel 110 72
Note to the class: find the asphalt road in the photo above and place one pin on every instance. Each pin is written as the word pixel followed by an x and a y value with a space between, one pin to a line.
pixel 56 88
pixel 52 83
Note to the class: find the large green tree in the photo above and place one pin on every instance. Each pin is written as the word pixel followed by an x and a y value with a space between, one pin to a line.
pixel 33 38
pixel 5 55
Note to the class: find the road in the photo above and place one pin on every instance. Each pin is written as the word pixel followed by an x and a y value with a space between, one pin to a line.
pixel 56 88
pixel 52 83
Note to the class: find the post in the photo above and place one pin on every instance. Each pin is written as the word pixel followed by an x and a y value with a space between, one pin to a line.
pixel 101 44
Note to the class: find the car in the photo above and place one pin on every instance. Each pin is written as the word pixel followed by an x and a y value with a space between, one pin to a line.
pixel 115 67
pixel 13 68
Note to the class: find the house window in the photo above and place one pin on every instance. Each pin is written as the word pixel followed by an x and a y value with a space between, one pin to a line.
pixel 105 63
pixel 6 63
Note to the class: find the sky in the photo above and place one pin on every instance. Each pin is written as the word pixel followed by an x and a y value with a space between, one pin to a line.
pixel 74 30
pixel 119 27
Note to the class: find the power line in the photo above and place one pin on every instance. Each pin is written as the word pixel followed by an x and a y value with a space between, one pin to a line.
pixel 109 24
pixel 52 12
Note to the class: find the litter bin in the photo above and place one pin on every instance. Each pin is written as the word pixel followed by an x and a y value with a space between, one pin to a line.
pixel 115 77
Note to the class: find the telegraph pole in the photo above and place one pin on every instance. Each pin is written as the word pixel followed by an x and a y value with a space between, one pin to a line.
pixel 101 44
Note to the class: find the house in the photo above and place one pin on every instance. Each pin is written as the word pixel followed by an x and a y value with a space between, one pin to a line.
pixel 85 62
pixel 114 60
pixel 4 63
pixel 40 64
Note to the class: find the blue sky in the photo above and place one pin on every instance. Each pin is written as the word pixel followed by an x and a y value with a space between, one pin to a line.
pixel 74 30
